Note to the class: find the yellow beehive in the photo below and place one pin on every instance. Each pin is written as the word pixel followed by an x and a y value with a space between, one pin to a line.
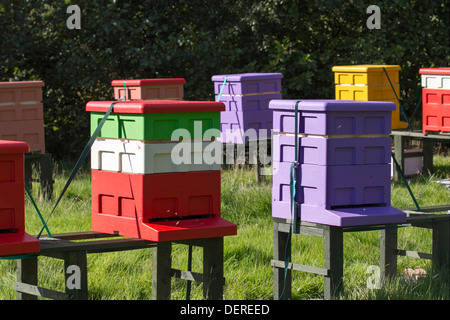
pixel 369 83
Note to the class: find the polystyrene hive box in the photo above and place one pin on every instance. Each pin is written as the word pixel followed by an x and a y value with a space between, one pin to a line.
pixel 149 89
pixel 365 74
pixel 30 131
pixel 21 112
pixel 435 110
pixel 435 78
pixel 12 203
pixel 332 117
pixel 20 91
pixel 334 186
pixel 156 119
pixel 339 151
pixel 367 93
pixel 247 83
pixel 240 126
pixel 158 207
pixel 248 103
pixel 13 239
pixel 134 156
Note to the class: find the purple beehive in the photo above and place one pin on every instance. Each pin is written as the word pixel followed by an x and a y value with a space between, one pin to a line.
pixel 343 175
pixel 239 126
pixel 247 83
pixel 246 97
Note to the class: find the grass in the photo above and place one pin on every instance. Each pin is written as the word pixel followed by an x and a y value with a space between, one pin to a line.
pixel 126 275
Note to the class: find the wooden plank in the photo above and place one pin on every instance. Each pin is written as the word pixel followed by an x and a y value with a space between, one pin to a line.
pixel 419 134
pixel 428 209
pixel 49 246
pixel 300 267
pixel 187 275
pixel 414 254
pixel 40 292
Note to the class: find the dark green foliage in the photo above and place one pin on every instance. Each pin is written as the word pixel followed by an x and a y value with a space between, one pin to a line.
pixel 197 39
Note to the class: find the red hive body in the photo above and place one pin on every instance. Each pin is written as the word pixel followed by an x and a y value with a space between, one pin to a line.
pixel 165 205
pixel 435 99
pixel 13 239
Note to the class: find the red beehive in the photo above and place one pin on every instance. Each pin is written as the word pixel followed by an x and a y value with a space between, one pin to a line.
pixel 435 99
pixel 157 206
pixel 13 239
pixel 149 89
pixel 21 113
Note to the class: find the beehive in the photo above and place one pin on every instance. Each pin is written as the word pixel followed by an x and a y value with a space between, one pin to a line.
pixel 21 113
pixel 343 152
pixel 149 89
pixel 369 83
pixel 246 97
pixel 435 99
pixel 13 238
pixel 138 188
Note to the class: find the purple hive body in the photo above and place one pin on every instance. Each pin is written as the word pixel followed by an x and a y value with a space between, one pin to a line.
pixel 248 83
pixel 325 117
pixel 341 180
pixel 342 151
pixel 238 126
pixel 249 103
pixel 246 97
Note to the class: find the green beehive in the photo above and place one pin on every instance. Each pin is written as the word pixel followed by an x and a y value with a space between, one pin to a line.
pixel 156 119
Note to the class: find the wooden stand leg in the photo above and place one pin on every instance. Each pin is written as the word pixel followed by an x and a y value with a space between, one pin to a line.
pixel 441 244
pixel 46 177
pixel 75 271
pixel 27 272
pixel 399 147
pixel 388 253
pixel 279 253
pixel 213 269
pixel 161 271
pixel 333 261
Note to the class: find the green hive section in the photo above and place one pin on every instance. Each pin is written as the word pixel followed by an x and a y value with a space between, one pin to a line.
pixel 156 126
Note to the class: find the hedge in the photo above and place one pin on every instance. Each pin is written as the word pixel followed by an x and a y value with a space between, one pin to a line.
pixel 196 39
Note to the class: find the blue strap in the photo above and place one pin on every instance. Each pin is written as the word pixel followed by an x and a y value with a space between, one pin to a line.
pixel 80 160
pixel 294 205
pixel 396 97
pixel 37 210
pixel 221 89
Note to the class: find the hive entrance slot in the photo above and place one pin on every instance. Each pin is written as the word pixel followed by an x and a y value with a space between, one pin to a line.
pixel 193 217
pixel 362 206
pixel 8 230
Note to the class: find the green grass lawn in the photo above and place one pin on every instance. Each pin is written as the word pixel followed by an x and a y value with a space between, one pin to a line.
pixel 127 274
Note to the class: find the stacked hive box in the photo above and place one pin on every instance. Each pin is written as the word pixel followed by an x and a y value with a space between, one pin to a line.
pixel 139 189
pixel 369 83
pixel 13 239
pixel 435 99
pixel 343 174
pixel 22 114
pixel 246 97
pixel 149 89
